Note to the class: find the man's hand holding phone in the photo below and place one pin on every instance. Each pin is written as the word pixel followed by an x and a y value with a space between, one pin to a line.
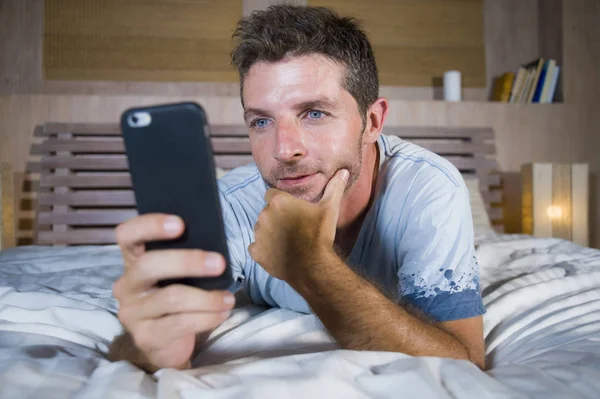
pixel 164 322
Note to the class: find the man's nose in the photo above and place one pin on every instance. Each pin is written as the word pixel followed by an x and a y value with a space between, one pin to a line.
pixel 290 144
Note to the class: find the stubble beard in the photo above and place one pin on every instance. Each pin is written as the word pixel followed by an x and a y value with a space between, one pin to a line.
pixel 354 166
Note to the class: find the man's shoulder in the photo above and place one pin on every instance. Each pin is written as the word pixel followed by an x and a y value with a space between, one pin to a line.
pixel 406 161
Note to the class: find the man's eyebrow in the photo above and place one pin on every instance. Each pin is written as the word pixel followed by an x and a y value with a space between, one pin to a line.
pixel 318 103
pixel 248 112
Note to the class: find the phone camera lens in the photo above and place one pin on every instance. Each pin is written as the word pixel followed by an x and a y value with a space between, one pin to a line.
pixel 134 119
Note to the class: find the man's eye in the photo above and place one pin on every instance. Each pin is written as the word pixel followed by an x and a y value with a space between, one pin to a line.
pixel 261 122
pixel 315 114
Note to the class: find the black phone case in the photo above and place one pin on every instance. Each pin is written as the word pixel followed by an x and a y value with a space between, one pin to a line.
pixel 172 171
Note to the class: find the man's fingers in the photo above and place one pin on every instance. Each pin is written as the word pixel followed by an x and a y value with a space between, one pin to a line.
pixel 170 263
pixel 334 191
pixel 177 298
pixel 132 234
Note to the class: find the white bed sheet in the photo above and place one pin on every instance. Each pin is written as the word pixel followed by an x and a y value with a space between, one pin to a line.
pixel 542 329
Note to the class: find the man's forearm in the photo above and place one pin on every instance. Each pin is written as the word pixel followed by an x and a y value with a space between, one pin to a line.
pixel 360 317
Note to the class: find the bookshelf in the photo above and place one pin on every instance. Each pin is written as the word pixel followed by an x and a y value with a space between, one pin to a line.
pixel 536 82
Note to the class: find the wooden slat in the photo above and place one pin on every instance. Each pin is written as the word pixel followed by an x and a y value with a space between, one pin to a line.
pixel 221 145
pixel 495 213
pixel 491 179
pixel 229 130
pixel 561 197
pixel 116 162
pixel 112 129
pixel 77 236
pixel 119 162
pixel 442 148
pixel 471 163
pixel 77 181
pixel 580 204
pixel 87 217
pixel 492 197
pixel 232 161
pixel 109 129
pixel 122 198
pixel 92 146
pixel 408 132
pixel 7 207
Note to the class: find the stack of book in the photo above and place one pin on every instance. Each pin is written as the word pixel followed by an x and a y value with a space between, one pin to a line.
pixel 533 83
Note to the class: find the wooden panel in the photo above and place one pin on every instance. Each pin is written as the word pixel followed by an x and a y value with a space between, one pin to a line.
pixel 7 207
pixel 21 26
pixel 137 40
pixel 580 195
pixel 88 217
pixel 222 145
pixel 119 162
pixel 527 199
pixel 78 236
pixel 113 180
pixel 416 41
pixel 542 199
pixel 511 35
pixel 120 198
pixel 457 147
pixel 420 132
pixel 492 197
pixel 96 129
pixel 581 53
pixel 561 198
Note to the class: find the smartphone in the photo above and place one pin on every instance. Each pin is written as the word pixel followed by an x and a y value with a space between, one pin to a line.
pixel 172 171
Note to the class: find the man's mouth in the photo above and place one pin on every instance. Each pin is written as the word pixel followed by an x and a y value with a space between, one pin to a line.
pixel 291 181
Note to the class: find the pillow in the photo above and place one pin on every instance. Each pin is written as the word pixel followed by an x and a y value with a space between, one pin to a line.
pixel 481 219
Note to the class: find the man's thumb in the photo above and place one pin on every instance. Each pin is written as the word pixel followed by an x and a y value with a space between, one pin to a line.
pixel 334 191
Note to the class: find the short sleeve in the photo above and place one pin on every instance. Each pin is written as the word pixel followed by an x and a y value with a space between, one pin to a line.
pixel 438 273
pixel 235 244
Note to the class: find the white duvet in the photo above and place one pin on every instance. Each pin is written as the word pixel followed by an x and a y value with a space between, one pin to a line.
pixel 542 329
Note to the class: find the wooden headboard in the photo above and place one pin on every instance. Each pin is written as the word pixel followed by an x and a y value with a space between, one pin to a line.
pixel 85 188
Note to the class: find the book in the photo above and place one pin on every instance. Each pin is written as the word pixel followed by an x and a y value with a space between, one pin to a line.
pixel 552 91
pixel 540 83
pixel 502 86
pixel 536 66
pixel 518 85
pixel 547 85
pixel 527 87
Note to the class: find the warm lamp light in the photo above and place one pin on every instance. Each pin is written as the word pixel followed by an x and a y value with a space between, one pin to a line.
pixel 555 201
pixel 554 211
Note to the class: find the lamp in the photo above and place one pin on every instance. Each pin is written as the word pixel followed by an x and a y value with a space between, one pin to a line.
pixel 555 201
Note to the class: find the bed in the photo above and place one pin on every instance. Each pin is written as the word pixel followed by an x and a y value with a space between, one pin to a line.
pixel 58 316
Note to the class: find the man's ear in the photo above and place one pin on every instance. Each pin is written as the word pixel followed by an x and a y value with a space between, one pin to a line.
pixel 376 115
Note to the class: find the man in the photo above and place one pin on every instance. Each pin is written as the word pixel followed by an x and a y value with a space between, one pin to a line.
pixel 371 233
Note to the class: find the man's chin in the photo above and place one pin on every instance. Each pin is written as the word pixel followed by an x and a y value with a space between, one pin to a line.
pixel 306 195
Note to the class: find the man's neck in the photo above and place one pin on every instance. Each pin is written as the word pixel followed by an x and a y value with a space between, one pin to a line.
pixel 357 200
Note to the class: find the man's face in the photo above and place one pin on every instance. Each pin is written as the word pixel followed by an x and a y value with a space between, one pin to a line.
pixel 303 125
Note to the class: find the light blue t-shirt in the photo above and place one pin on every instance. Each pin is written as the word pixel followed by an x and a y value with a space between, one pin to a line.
pixel 416 241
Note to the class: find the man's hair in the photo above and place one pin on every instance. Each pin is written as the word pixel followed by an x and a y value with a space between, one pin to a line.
pixel 284 30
